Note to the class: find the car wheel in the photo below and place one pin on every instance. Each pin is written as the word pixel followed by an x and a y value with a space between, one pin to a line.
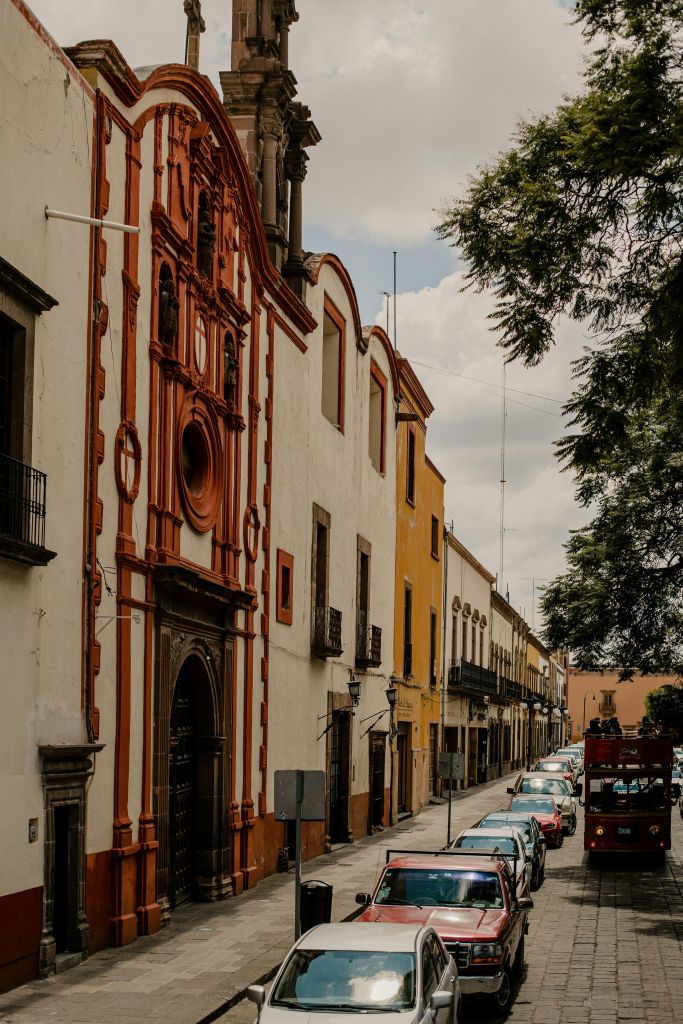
pixel 535 880
pixel 541 877
pixel 503 997
pixel 571 828
pixel 560 839
pixel 518 963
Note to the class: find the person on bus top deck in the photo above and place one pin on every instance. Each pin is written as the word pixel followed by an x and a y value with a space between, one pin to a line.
pixel 646 727
pixel 594 727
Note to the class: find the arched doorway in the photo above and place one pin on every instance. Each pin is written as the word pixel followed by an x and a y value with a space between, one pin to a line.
pixel 193 781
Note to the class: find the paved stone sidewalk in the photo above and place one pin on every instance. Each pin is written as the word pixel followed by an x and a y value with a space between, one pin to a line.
pixel 199 966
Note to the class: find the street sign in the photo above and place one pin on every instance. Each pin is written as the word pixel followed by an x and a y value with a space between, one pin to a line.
pixel 299 796
pixel 312 803
pixel 452 766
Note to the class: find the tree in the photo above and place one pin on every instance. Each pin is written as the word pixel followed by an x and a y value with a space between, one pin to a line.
pixel 583 218
pixel 665 705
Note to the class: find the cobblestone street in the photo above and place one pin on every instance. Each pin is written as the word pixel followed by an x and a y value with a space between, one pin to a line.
pixel 604 945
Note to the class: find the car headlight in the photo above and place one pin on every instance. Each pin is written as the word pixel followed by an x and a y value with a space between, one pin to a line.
pixel 487 949
pixel 599 831
pixel 654 830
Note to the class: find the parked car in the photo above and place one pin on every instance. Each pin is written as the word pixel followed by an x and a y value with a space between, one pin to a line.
pixel 470 900
pixel 546 812
pixel 565 766
pixel 504 840
pixel 534 840
pixel 576 755
pixel 555 785
pixel 676 784
pixel 345 970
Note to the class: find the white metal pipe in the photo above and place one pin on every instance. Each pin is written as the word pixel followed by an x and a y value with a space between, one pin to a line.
pixel 60 215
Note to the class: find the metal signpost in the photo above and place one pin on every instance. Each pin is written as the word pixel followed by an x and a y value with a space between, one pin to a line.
pixel 299 796
pixel 451 766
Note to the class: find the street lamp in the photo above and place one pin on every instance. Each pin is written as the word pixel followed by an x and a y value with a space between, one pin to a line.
pixel 391 693
pixel 531 704
pixel 550 707
pixel 563 712
pixel 586 694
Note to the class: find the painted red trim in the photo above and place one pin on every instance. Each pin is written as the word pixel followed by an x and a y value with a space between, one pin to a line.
pixel 291 334
pixel 383 339
pixel 285 561
pixel 381 382
pixel 338 320
pixel 321 260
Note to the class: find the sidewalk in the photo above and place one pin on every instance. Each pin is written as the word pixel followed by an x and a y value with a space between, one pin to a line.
pixel 200 965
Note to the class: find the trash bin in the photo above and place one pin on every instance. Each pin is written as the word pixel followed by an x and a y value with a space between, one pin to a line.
pixel 316 904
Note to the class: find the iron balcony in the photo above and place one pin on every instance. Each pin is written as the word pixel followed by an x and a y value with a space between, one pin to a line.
pixel 327 633
pixel 465 675
pixel 22 513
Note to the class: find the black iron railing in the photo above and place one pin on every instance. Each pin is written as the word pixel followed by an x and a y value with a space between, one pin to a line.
pixel 327 632
pixel 368 642
pixel 22 502
pixel 509 688
pixel 468 676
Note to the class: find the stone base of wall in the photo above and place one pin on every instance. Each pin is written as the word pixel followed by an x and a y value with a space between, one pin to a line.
pixel 21 922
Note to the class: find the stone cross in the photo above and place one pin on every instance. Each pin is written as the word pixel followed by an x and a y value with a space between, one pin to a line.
pixel 195 26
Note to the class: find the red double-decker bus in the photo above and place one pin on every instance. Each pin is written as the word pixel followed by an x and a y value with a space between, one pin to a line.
pixel 627 791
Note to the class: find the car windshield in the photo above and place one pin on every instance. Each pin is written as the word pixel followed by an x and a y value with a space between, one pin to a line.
pixel 522 826
pixel 553 787
pixel 553 766
pixel 346 979
pixel 440 887
pixel 503 843
pixel 542 806
pixel 573 754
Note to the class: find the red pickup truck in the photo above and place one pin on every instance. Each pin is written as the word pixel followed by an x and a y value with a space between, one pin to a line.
pixel 469 899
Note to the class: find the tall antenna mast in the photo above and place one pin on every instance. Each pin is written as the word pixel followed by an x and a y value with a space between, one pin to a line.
pixel 395 342
pixel 502 482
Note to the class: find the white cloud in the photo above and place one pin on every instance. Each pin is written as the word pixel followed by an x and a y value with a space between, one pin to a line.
pixel 447 328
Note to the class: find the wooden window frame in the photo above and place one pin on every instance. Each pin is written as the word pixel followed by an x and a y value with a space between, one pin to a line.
pixel 435 537
pixel 381 382
pixel 411 477
pixel 283 613
pixel 330 310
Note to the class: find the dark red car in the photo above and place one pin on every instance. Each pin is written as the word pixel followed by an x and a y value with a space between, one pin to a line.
pixel 545 811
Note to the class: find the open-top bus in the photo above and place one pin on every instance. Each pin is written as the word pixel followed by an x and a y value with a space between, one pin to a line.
pixel 627 791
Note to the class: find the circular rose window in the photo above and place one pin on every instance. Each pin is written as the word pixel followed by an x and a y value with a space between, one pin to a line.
pixel 199 467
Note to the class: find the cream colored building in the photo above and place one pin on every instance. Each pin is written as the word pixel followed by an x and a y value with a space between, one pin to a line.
pixel 46 135
pixel 334 483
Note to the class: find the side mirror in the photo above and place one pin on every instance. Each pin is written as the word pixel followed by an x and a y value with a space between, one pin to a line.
pixel 578 789
pixel 257 994
pixel 363 898
pixel 524 903
pixel 439 1001
pixel 510 789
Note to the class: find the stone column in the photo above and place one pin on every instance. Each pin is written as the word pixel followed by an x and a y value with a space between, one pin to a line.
pixel 269 132
pixel 296 172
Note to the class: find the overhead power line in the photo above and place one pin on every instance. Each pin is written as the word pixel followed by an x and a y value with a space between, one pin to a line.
pixel 493 384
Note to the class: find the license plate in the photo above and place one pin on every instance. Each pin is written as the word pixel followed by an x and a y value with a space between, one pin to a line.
pixel 623 831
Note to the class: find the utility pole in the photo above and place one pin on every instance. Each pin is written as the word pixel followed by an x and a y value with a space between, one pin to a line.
pixel 503 416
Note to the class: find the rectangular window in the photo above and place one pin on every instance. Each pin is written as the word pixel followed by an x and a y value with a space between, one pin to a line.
pixel 474 643
pixel 407 630
pixel 6 347
pixel 454 638
pixel 285 580
pixel 332 398
pixel 377 428
pixel 463 652
pixel 481 647
pixel 432 648
pixel 435 537
pixel 410 468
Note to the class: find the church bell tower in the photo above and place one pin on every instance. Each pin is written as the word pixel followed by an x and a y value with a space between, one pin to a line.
pixel 275 130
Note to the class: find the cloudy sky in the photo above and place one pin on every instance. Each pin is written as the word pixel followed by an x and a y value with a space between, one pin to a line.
pixel 410 96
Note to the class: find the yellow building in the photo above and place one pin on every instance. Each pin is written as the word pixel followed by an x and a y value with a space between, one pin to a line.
pixel 418 601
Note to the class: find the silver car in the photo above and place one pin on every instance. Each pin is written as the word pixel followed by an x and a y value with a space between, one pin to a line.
pixel 401 974
pixel 555 785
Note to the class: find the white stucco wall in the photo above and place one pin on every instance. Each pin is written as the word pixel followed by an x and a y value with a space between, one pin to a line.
pixel 46 134
pixel 313 461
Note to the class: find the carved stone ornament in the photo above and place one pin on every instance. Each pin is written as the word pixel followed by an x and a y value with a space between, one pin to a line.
pixel 252 526
pixel 128 461
pixel 206 243
pixel 168 314
pixel 230 371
